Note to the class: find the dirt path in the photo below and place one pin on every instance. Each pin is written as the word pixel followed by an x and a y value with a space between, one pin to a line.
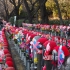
pixel 16 58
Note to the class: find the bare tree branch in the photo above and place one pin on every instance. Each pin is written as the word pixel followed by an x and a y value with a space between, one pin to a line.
pixel 35 2
pixel 30 1
pixel 59 12
pixel 21 1
pixel 26 5
pixel 13 2
pixel 36 10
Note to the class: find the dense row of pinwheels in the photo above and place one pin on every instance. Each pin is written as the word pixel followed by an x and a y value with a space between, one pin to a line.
pixel 6 61
pixel 56 28
pixel 41 51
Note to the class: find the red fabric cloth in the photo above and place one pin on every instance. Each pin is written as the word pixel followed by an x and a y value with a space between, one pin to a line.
pixel 32 35
pixel 66 52
pixel 68 41
pixel 10 68
pixel 6 51
pixel 56 48
pixel 42 40
pixel 52 44
pixel 8 55
pixel 10 64
pixel 1 60
pixel 54 63
pixel 8 59
pixel 44 68
pixel 64 48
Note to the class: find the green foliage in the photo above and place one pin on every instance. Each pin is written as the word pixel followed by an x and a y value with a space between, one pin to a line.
pixel 19 22
pixel 54 22
pixel 11 20
pixel 51 6
pixel 23 14
pixel 26 21
pixel 49 11
pixel 20 9
pixel 64 7
pixel 15 40
pixel 11 36
pixel 57 22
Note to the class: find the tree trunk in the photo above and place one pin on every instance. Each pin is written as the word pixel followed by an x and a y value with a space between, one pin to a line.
pixel 59 12
pixel 28 11
pixel 7 17
pixel 30 19
pixel 17 12
pixel 44 14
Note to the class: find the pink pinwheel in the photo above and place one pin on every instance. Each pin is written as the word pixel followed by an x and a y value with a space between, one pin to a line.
pixel 22 45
